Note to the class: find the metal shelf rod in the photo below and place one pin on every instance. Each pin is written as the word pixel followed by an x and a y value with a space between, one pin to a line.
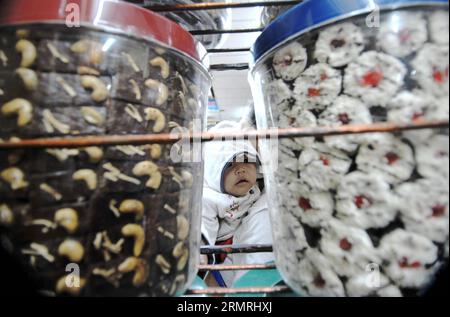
pixel 234 31
pixel 229 249
pixel 225 67
pixel 244 267
pixel 227 50
pixel 167 138
pixel 246 290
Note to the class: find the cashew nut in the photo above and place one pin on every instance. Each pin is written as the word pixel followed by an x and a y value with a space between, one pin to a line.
pixel 160 51
pixel 163 91
pixel 22 108
pixel 6 215
pixel 155 151
pixel 183 260
pixel 136 231
pixel 92 116
pixel 29 78
pixel 84 70
pixel 188 179
pixel 99 90
pixel 94 48
pixel 132 206
pixel 153 114
pixel 178 250
pixel 67 218
pixel 95 154
pixel 22 33
pixel 161 63
pixel 82 46
pixel 15 177
pixel 163 264
pixel 151 169
pixel 28 51
pixel 72 250
pixel 70 284
pixel 88 176
pixel 182 227
pixel 138 266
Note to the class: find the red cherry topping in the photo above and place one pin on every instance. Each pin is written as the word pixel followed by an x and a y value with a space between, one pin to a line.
pixel 345 245
pixel 438 211
pixel 372 78
pixel 313 92
pixel 343 117
pixel 362 201
pixel 392 158
pixel 304 203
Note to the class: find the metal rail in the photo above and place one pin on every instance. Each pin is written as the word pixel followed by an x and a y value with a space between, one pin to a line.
pixel 230 249
pixel 106 140
pixel 248 290
pixel 244 267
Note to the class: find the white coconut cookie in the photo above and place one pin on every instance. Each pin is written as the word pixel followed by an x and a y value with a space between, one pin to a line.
pixel 278 95
pixel 365 201
pixel 340 44
pixel 348 249
pixel 439 27
pixel 439 109
pixel 290 61
pixel 371 284
pixel 291 243
pixel 402 33
pixel 322 167
pixel 431 66
pixel 287 163
pixel 297 118
pixel 408 257
pixel 432 157
pixel 387 156
pixel 374 77
pixel 317 87
pixel 317 277
pixel 411 106
pixel 296 230
pixel 424 208
pixel 311 207
pixel 345 110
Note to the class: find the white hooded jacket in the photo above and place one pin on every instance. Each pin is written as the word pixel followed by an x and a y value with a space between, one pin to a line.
pixel 246 219
pixel 223 213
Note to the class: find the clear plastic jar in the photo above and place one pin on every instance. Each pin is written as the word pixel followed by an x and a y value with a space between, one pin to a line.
pixel 270 13
pixel 363 214
pixel 107 220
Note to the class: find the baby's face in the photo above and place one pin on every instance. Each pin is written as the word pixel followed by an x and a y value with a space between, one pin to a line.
pixel 239 178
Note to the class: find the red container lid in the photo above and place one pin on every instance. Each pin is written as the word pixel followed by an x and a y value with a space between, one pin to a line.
pixel 110 14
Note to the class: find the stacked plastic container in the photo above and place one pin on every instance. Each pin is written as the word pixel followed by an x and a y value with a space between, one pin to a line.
pixel 102 220
pixel 362 214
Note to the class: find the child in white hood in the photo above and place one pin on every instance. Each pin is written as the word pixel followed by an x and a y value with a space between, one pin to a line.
pixel 234 207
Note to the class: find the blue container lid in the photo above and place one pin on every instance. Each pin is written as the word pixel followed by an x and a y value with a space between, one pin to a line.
pixel 311 13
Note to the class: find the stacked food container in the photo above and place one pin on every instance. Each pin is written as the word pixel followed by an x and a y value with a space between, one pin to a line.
pixel 360 214
pixel 99 220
